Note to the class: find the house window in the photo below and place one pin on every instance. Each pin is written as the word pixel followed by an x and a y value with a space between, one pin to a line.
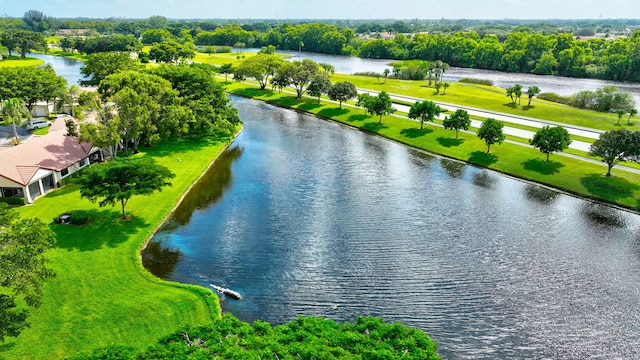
pixel 64 172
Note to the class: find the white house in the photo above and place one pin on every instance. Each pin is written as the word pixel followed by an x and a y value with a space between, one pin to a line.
pixel 34 167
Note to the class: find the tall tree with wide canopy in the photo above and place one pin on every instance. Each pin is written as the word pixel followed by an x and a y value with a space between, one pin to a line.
pixel 36 84
pixel 22 41
pixel 102 64
pixel 459 120
pixel 320 84
pixel 120 179
pixel 491 132
pixel 424 111
pixel 203 96
pixel 550 139
pixel 299 74
pixel 147 103
pixel 260 67
pixel 13 111
pixel 22 267
pixel 342 91
pixel 379 105
pixel 615 146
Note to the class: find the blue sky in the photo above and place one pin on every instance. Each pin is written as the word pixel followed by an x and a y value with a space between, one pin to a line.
pixel 333 9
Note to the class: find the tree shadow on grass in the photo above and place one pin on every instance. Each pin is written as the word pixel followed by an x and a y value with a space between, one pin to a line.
pixel 105 229
pixel 449 142
pixel 415 133
pixel 358 117
pixel 527 107
pixel 373 127
pixel 609 188
pixel 543 167
pixel 254 92
pixel 511 105
pixel 332 112
pixel 308 106
pixel 185 144
pixel 482 158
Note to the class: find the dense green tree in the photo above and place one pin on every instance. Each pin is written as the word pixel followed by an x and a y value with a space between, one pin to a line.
pixel 158 22
pixel 155 35
pixel 145 105
pixel 13 110
pixel 121 43
pixel 36 84
pixel 22 41
pixel 424 111
pixel 319 84
pixel 37 21
pixel 260 68
pixel 203 96
pixel 615 146
pixel 100 65
pixel 342 91
pixel 611 98
pixel 22 267
pixel 170 51
pixel 550 139
pixel 120 179
pixel 299 74
pixel 491 132
pixel 459 120
pixel 379 105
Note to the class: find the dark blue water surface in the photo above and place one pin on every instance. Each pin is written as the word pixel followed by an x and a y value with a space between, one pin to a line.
pixel 304 216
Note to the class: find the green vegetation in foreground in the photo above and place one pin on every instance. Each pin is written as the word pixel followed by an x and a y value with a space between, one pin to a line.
pixel 568 174
pixel 16 61
pixel 304 338
pixel 491 99
pixel 102 295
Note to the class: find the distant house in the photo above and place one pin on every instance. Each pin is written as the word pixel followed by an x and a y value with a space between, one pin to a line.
pixel 37 165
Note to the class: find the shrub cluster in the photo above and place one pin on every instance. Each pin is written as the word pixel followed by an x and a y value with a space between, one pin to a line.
pixel 477 81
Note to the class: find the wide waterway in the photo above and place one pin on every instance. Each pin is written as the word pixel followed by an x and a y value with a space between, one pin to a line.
pixel 304 216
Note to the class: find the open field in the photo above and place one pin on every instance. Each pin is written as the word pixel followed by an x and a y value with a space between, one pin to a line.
pixel 102 295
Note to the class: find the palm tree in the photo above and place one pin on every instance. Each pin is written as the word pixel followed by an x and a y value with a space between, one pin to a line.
pixel 531 92
pixel 632 112
pixel 385 73
pixel 69 97
pixel 620 113
pixel 445 86
pixel 13 110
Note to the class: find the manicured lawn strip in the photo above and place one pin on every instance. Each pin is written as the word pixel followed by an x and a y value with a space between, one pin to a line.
pixel 15 61
pixel 571 175
pixel 102 295
pixel 491 99
pixel 71 55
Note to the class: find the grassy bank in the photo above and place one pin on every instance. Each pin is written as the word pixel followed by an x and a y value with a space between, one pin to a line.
pixel 492 99
pixel 16 61
pixel 568 174
pixel 102 295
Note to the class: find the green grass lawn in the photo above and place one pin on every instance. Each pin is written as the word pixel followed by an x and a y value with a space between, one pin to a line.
pixel 102 295
pixel 71 55
pixel 16 61
pixel 568 174
pixel 492 99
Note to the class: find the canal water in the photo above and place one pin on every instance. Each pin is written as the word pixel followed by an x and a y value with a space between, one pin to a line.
pixel 307 217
